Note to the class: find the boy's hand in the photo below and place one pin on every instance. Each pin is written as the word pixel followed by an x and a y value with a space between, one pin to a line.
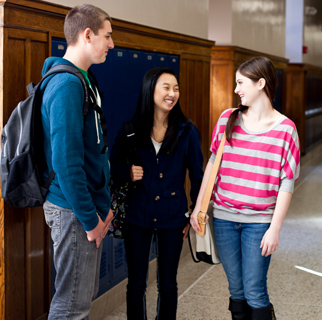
pixel 97 233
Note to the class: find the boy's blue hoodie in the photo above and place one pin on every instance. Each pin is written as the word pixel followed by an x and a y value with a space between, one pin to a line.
pixel 74 150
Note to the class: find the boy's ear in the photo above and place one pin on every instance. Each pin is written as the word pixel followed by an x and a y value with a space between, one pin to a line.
pixel 87 34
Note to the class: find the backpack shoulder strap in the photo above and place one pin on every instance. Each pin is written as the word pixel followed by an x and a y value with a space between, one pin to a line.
pixel 92 77
pixel 61 68
pixel 89 96
pixel 89 100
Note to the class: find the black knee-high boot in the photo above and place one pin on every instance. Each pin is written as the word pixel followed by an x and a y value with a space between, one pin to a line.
pixel 266 313
pixel 238 309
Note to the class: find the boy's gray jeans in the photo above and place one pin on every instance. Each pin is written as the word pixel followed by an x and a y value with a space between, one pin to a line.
pixel 77 263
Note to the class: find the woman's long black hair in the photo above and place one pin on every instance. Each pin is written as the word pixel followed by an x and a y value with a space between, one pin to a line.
pixel 144 115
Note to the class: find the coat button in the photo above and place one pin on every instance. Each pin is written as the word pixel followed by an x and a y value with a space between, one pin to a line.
pixel 161 175
pixel 157 198
pixel 173 193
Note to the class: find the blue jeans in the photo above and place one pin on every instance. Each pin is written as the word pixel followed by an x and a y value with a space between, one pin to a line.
pixel 137 242
pixel 77 264
pixel 246 269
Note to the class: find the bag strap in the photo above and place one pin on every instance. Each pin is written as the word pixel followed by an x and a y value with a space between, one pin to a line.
pixel 213 175
pixel 211 182
pixel 93 78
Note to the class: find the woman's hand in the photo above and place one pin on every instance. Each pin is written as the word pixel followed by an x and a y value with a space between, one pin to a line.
pixel 271 237
pixel 186 231
pixel 194 220
pixel 270 241
pixel 108 221
pixel 136 173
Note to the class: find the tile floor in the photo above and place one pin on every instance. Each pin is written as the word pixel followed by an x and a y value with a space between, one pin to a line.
pixel 296 294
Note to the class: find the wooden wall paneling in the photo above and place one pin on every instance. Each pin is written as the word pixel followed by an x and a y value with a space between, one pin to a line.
pixel 38 5
pixel 194 100
pixel 2 46
pixel 190 90
pixel 194 90
pixel 26 257
pixel 296 99
pixel 2 260
pixel 23 15
pixel 24 56
pixel 220 90
pixel 14 267
pixel 15 277
pixel 136 36
pixel 14 76
pixel 205 130
pixel 198 79
pixel 2 232
pixel 37 264
pixel 296 96
pixel 183 82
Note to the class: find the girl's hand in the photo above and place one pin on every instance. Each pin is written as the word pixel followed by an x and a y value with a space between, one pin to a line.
pixel 194 220
pixel 136 173
pixel 186 231
pixel 270 242
pixel 108 221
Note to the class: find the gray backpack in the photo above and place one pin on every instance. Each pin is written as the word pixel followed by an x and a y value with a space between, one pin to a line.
pixel 22 152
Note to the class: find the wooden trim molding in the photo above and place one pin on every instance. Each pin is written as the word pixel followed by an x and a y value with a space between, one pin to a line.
pixel 128 34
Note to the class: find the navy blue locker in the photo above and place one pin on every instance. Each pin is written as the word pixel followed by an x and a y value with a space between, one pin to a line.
pixel 140 62
pixel 162 60
pixel 120 107
pixel 58 47
pixel 150 61
pixel 113 264
pixel 174 64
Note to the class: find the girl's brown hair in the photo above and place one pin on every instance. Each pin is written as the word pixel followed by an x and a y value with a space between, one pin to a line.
pixel 254 69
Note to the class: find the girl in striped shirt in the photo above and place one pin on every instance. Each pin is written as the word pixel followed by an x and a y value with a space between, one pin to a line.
pixel 253 189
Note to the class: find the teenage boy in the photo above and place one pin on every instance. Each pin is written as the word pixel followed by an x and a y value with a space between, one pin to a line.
pixel 77 207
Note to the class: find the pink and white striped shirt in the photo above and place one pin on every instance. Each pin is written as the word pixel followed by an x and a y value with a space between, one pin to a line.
pixel 254 169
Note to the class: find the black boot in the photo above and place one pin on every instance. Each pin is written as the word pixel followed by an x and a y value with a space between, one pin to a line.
pixel 266 313
pixel 272 312
pixel 238 309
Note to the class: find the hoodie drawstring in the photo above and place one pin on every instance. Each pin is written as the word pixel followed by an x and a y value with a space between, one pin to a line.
pixel 97 116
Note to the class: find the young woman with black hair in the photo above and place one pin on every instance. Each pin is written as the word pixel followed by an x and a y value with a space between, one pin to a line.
pixel 168 145
pixel 253 188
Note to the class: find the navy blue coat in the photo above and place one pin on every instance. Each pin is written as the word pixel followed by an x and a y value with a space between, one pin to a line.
pixel 159 199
